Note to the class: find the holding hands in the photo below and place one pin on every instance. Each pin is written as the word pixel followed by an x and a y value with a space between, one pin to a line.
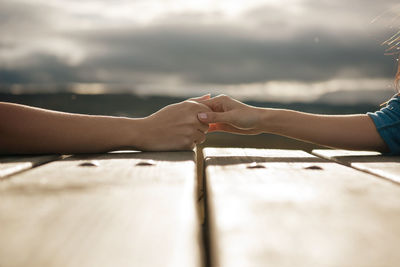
pixel 230 115
pixel 176 127
pixel 179 126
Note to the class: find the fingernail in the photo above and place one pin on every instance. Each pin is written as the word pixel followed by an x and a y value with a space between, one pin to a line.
pixel 202 115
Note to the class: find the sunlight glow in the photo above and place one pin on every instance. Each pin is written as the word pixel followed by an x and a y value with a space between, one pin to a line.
pixel 144 12
pixel 374 90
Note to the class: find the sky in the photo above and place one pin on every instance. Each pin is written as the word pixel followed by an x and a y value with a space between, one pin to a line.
pixel 286 50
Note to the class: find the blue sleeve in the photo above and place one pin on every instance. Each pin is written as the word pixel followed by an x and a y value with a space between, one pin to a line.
pixel 387 122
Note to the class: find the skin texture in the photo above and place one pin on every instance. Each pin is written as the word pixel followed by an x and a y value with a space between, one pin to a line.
pixel 29 130
pixel 354 132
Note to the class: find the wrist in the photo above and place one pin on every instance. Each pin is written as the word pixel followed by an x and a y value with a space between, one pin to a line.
pixel 270 120
pixel 133 133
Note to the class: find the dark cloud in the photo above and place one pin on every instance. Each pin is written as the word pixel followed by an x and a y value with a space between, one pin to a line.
pixel 226 55
pixel 42 68
pixel 272 46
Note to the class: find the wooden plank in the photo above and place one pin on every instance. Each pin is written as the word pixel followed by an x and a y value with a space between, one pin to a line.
pixel 119 209
pixel 289 208
pixel 371 162
pixel 10 165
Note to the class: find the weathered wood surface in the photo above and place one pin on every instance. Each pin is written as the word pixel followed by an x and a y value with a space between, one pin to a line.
pixel 122 209
pixel 372 162
pixel 299 210
pixel 14 164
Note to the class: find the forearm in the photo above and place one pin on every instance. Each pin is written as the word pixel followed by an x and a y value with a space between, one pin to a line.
pixel 340 131
pixel 30 130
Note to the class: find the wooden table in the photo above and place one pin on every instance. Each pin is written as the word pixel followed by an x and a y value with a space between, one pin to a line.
pixel 117 209
pixel 262 208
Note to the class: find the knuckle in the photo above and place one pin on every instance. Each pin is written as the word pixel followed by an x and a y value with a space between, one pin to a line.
pixel 186 104
pixel 191 106
pixel 194 122
pixel 223 97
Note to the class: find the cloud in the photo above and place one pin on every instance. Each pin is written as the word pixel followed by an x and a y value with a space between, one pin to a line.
pixel 309 41
pixel 227 55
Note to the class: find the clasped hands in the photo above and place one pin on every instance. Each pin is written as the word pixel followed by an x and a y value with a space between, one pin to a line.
pixel 180 126
pixel 183 125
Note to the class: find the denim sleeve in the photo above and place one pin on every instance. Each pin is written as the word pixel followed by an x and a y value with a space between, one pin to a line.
pixel 387 122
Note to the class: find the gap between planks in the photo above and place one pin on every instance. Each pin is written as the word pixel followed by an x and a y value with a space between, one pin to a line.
pixel 10 165
pixel 383 166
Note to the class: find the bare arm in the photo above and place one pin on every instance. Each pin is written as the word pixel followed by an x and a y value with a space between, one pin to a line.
pixel 25 129
pixel 355 132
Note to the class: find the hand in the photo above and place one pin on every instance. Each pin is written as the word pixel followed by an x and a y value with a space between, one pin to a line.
pixel 176 127
pixel 230 115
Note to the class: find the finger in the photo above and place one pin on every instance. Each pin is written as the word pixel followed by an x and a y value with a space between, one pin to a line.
pixel 198 136
pixel 212 127
pixel 203 127
pixel 200 98
pixel 215 104
pixel 212 117
pixel 200 141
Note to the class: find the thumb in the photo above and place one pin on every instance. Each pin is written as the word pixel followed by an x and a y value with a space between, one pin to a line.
pixel 212 117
